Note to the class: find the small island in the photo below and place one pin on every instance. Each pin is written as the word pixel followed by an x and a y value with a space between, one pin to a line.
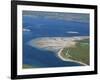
pixel 74 49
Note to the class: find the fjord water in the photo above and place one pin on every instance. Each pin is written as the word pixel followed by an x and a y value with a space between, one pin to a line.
pixel 39 27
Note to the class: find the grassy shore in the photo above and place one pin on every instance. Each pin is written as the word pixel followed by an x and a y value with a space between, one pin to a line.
pixel 26 66
pixel 75 49
pixel 80 52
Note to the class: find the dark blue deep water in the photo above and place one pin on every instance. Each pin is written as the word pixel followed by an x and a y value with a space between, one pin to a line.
pixel 39 27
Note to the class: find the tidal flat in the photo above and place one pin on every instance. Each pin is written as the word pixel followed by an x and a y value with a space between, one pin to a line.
pixel 74 49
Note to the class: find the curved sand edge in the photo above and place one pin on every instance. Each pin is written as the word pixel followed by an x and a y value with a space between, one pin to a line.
pixel 57 44
pixel 59 55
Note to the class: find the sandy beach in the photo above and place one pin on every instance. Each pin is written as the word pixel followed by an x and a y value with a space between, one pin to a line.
pixel 59 55
pixel 57 44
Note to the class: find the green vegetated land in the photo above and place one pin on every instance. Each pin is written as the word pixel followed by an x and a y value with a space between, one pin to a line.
pixel 26 66
pixel 78 53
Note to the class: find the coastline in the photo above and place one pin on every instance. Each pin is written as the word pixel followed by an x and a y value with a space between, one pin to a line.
pixel 59 55
pixel 57 44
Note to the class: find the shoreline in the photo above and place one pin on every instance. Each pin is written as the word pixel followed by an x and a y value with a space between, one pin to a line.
pixel 59 55
pixel 57 44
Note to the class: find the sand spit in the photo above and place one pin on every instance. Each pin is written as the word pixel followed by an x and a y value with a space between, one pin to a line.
pixel 56 44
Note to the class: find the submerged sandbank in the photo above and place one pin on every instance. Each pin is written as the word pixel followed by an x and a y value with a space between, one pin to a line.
pixel 57 44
